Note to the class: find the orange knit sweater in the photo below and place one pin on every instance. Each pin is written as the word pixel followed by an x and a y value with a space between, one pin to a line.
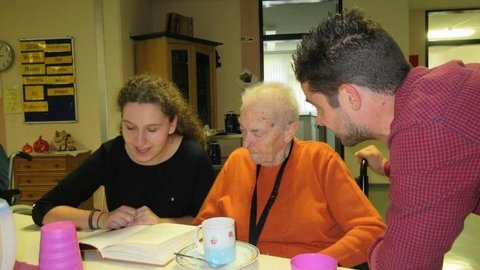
pixel 319 207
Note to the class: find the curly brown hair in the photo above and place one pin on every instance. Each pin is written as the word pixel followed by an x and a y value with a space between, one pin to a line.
pixel 147 88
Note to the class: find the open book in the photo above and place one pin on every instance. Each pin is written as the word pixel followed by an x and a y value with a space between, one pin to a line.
pixel 150 244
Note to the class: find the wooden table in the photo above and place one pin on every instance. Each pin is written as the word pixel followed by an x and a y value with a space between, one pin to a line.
pixel 28 239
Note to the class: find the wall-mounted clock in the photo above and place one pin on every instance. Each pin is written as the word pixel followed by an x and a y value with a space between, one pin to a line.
pixel 6 56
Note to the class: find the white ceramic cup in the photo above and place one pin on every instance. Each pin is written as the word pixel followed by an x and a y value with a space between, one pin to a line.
pixel 218 240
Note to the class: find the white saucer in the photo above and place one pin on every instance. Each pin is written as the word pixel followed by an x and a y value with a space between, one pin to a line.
pixel 246 254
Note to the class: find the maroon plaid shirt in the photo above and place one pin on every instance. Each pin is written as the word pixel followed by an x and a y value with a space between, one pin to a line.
pixel 434 149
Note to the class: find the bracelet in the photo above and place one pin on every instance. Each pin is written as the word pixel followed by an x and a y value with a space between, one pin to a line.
pixel 90 217
pixel 101 213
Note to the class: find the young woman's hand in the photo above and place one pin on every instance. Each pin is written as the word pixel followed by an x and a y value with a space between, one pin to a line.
pixel 121 217
pixel 145 216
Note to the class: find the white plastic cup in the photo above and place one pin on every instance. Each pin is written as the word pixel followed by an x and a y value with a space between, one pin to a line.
pixel 8 238
pixel 219 242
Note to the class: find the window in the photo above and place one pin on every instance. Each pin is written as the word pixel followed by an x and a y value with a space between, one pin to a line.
pixel 452 34
pixel 283 25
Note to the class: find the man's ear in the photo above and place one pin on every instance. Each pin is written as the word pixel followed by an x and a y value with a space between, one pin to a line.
pixel 349 96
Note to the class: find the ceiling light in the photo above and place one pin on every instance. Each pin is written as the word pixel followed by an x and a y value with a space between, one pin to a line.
pixel 450 33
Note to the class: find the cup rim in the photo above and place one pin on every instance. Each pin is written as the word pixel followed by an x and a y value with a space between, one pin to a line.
pixel 218 222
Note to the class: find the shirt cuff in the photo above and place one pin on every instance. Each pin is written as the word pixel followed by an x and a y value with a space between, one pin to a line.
pixel 373 253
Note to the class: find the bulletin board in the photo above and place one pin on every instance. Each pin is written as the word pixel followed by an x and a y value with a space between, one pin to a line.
pixel 48 77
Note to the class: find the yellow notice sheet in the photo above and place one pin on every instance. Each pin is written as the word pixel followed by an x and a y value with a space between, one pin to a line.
pixel 35 106
pixel 34 93
pixel 12 100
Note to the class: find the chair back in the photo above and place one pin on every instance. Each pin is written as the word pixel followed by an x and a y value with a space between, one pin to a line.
pixel 8 192
pixel 4 181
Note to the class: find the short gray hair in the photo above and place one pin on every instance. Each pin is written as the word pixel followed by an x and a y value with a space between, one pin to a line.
pixel 276 97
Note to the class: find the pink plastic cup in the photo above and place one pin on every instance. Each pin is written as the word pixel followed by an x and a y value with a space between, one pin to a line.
pixel 313 261
pixel 59 247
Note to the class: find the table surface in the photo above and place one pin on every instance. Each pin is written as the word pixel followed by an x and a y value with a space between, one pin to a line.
pixel 28 239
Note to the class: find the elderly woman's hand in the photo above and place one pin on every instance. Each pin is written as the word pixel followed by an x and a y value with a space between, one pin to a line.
pixel 376 160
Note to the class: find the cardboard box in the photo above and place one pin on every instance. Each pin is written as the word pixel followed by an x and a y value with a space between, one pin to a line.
pixel 179 24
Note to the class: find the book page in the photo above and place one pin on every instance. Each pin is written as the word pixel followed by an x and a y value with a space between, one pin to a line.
pixel 107 238
pixel 154 244
pixel 157 234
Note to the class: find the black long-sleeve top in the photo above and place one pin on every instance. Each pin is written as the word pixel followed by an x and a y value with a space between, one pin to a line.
pixel 173 188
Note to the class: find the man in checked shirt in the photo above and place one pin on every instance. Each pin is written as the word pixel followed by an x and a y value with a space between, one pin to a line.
pixel 356 76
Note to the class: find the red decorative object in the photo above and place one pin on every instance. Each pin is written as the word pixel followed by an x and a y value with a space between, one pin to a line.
pixel 40 145
pixel 27 148
pixel 413 59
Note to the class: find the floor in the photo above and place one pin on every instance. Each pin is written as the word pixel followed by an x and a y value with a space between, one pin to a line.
pixel 465 253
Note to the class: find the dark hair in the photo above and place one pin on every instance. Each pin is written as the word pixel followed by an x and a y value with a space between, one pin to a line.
pixel 150 89
pixel 349 48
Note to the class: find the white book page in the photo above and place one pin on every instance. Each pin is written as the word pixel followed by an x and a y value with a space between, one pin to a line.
pixel 157 234
pixel 111 237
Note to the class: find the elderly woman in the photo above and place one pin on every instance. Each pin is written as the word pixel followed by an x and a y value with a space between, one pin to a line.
pixel 289 196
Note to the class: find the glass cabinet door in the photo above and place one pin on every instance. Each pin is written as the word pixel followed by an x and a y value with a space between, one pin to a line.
pixel 192 74
pixel 204 93
pixel 180 71
pixel 190 63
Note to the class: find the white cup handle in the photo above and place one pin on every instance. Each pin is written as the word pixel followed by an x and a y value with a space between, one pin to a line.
pixel 196 239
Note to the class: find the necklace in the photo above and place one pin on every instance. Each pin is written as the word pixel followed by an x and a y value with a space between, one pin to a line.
pixel 256 228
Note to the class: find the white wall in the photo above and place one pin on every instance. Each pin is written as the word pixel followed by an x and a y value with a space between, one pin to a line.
pixel 122 19
pixel 216 20
pixel 47 19
pixel 391 14
pixel 103 54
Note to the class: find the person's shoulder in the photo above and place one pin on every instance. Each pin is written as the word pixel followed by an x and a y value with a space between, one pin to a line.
pixel 113 143
pixel 239 152
pixel 313 146
pixel 473 66
pixel 112 147
pixel 191 146
pixel 239 155
pixel 314 150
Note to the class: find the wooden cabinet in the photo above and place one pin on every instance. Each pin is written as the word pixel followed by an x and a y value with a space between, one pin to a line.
pixel 188 62
pixel 34 178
